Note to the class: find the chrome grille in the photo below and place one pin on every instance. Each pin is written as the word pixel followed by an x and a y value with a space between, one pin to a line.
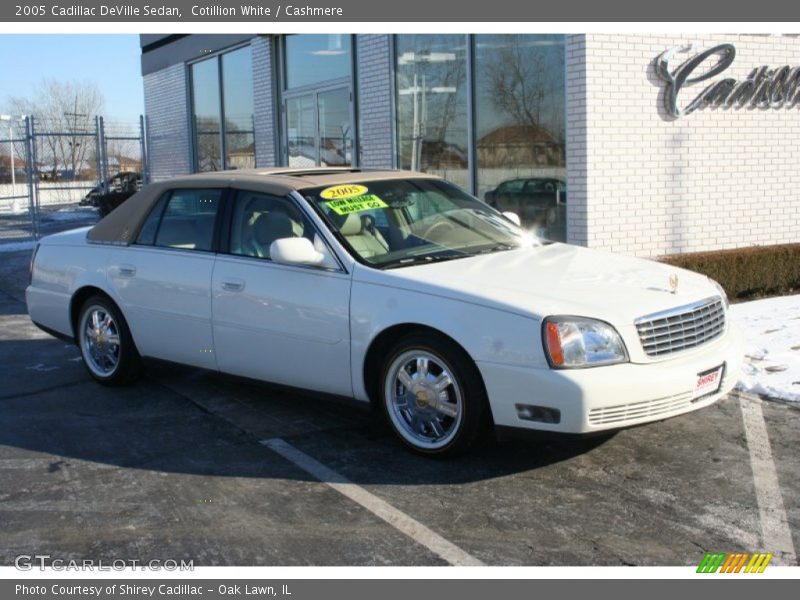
pixel 682 328
pixel 622 413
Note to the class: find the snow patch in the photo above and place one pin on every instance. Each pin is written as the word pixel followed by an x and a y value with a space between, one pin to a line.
pixel 17 246
pixel 772 346
pixel 72 214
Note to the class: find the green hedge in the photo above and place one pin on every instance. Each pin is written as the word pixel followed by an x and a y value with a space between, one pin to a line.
pixel 747 272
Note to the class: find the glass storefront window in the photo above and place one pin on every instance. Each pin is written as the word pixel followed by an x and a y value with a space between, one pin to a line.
pixel 520 128
pixel 233 96
pixel 432 105
pixel 206 113
pixel 301 132
pixel 237 94
pixel 312 58
pixel 317 100
pixel 518 113
pixel 334 127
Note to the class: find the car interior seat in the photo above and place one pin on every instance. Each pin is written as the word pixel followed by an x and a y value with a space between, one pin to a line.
pixel 269 227
pixel 365 240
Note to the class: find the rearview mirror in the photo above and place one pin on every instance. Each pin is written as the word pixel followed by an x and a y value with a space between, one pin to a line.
pixel 513 217
pixel 295 251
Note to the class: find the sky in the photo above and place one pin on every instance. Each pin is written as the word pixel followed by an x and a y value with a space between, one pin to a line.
pixel 110 61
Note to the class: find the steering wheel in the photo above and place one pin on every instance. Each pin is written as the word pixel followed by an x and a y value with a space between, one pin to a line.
pixel 437 229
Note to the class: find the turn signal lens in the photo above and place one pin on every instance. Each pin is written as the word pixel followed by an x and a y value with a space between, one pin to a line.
pixel 554 345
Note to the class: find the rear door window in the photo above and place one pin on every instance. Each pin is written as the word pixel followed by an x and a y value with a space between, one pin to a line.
pixel 188 220
pixel 511 187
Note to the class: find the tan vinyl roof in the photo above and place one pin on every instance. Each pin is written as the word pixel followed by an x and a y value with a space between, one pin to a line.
pixel 123 224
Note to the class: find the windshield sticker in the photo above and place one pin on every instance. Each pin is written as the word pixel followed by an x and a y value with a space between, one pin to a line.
pixel 343 191
pixel 345 206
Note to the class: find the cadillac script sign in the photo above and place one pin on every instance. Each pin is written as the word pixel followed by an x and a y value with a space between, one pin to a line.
pixel 765 87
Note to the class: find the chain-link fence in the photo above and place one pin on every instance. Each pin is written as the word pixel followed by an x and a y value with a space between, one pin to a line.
pixel 50 174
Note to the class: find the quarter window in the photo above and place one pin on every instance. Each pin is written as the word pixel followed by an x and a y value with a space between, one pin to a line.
pixel 147 235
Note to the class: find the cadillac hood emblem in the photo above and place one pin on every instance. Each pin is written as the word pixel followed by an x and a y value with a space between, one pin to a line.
pixel 673 283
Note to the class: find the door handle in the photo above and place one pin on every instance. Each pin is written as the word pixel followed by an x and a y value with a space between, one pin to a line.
pixel 127 270
pixel 233 285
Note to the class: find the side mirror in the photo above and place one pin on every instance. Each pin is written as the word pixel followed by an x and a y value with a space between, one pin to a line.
pixel 513 217
pixel 295 251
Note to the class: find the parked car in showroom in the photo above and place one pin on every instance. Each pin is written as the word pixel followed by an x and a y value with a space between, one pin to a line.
pixel 539 201
pixel 389 287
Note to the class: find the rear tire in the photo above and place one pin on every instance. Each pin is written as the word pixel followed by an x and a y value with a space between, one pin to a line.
pixel 106 344
pixel 432 396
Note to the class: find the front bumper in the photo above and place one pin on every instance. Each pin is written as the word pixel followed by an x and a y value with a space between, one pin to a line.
pixel 603 398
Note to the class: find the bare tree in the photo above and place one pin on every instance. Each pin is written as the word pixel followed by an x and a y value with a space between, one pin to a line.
pixel 64 107
pixel 521 82
pixel 208 143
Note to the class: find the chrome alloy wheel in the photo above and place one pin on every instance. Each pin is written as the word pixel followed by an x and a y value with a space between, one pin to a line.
pixel 423 399
pixel 100 343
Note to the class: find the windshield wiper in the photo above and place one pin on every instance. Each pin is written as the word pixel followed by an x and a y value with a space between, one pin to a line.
pixel 496 248
pixel 424 259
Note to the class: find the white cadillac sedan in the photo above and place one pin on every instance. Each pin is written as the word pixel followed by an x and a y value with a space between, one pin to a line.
pixel 390 287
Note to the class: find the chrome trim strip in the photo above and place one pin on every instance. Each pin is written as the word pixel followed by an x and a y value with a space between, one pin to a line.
pixel 672 312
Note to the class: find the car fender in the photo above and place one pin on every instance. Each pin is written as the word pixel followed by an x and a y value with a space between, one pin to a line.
pixel 487 334
pixel 59 273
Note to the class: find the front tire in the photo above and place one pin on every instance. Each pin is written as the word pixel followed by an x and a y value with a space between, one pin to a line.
pixel 432 396
pixel 105 342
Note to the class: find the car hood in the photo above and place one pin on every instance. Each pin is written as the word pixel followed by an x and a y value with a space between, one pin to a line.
pixel 553 279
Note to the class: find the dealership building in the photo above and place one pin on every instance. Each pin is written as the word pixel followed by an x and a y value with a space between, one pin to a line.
pixel 642 144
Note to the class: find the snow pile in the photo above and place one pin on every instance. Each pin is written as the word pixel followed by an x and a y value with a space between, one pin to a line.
pixel 772 346
pixel 17 246
pixel 80 213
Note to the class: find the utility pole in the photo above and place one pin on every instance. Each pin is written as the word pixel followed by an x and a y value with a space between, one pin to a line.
pixel 419 92
pixel 73 145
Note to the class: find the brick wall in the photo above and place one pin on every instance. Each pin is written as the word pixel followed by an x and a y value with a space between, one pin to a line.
pixel 374 81
pixel 264 96
pixel 166 107
pixel 643 183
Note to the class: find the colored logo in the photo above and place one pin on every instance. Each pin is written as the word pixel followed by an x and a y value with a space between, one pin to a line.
pixel 737 562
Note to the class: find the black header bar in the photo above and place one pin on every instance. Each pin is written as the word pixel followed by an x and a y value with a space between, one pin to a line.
pixel 313 11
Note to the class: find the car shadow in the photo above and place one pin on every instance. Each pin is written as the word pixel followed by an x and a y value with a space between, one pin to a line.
pixel 63 415
pixel 12 307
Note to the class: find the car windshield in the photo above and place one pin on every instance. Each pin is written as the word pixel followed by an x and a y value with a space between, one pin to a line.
pixel 400 222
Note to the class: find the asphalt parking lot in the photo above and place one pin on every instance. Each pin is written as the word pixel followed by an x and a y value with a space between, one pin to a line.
pixel 183 465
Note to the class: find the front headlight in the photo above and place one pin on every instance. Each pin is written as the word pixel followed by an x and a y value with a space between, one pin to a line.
pixel 573 342
pixel 721 291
